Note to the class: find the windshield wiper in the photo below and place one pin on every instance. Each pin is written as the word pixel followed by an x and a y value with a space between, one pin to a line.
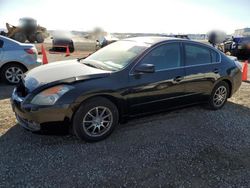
pixel 80 58
pixel 91 65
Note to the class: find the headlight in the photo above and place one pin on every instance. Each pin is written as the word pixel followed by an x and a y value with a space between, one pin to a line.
pixel 51 95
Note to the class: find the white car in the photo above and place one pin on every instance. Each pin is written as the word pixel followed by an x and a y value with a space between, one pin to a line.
pixel 15 59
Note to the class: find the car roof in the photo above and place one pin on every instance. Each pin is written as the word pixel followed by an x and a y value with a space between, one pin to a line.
pixel 8 39
pixel 152 40
pixel 10 43
pixel 158 39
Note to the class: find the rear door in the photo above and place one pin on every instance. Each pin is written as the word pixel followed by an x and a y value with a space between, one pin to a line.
pixel 202 70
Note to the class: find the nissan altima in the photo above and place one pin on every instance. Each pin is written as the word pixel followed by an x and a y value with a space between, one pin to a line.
pixel 130 77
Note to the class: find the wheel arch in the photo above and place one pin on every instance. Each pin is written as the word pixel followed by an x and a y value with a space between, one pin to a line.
pixel 13 62
pixel 119 103
pixel 229 85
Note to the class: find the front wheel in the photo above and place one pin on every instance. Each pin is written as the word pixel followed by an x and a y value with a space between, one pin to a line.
pixel 219 96
pixel 39 38
pixel 95 119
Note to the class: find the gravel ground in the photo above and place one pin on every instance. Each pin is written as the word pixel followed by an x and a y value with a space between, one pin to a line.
pixel 191 147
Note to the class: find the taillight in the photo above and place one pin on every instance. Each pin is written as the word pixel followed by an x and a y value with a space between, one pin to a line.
pixel 31 51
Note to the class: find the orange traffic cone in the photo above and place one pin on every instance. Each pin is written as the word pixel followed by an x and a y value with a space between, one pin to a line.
pixel 67 51
pixel 45 59
pixel 244 71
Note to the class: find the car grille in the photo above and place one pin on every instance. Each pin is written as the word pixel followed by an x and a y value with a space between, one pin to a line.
pixel 21 90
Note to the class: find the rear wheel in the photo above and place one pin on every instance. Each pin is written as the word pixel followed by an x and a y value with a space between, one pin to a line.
pixel 20 37
pixel 12 73
pixel 219 96
pixel 95 119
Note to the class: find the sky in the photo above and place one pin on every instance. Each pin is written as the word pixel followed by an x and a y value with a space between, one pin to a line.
pixel 145 16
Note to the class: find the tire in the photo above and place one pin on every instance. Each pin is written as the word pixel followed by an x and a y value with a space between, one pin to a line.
pixel 32 38
pixel 12 68
pixel 71 48
pixel 91 129
pixel 39 38
pixel 20 37
pixel 219 96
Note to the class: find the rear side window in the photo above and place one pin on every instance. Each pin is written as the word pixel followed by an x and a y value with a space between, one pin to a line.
pixel 214 56
pixel 164 57
pixel 1 43
pixel 198 55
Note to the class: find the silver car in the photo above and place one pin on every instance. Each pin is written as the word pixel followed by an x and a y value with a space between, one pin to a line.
pixel 15 59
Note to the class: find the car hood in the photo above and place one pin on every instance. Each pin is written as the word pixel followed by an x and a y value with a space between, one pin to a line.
pixel 62 71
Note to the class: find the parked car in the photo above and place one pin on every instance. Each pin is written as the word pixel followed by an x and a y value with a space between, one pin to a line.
pixel 104 41
pixel 180 36
pixel 237 46
pixel 15 59
pixel 60 44
pixel 127 78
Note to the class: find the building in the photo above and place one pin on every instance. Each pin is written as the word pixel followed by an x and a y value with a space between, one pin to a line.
pixel 242 32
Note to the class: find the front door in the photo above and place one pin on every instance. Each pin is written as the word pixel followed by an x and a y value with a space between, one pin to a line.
pixel 163 88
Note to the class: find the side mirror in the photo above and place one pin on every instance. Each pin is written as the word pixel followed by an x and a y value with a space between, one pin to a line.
pixel 145 68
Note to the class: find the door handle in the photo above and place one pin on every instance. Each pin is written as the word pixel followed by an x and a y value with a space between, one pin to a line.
pixel 178 78
pixel 216 71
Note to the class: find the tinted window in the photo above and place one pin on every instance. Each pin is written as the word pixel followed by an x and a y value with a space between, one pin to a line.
pixel 164 57
pixel 214 56
pixel 1 43
pixel 195 55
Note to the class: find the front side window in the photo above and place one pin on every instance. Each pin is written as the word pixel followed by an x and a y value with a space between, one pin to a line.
pixel 197 55
pixel 163 57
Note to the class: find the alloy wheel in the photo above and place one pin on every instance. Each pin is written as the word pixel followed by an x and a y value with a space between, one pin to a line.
pixel 97 121
pixel 220 96
pixel 13 74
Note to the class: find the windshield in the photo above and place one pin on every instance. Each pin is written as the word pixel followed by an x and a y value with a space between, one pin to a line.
pixel 116 55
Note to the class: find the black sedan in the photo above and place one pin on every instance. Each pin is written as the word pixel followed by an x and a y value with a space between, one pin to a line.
pixel 61 43
pixel 128 78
